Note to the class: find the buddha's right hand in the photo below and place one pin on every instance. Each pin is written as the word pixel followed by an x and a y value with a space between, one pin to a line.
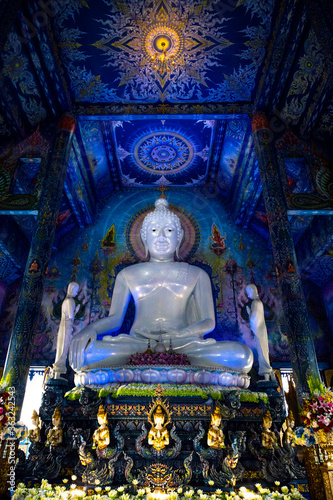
pixel 78 346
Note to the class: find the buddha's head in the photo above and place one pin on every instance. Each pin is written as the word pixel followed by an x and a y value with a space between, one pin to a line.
pixel 290 421
pixel 161 232
pixel 35 418
pixel 73 289
pixel 267 420
pixel 102 417
pixel 56 418
pixel 252 291
pixel 159 417
pixel 216 417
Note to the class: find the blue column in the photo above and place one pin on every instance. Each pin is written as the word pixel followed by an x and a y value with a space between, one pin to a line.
pixel 301 346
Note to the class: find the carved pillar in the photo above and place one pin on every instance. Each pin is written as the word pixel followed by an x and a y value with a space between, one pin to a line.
pixel 21 345
pixel 302 352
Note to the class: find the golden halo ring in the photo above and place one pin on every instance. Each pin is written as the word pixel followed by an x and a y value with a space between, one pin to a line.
pixel 155 35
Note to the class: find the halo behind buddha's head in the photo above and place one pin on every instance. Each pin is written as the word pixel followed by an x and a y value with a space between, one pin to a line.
pixel 161 212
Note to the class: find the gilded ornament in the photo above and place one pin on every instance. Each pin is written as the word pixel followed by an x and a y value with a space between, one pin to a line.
pixel 268 438
pixel 34 433
pixel 101 436
pixel 158 436
pixel 55 435
pixel 215 436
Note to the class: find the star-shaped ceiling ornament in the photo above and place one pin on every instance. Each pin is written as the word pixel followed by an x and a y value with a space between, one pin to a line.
pixel 162 45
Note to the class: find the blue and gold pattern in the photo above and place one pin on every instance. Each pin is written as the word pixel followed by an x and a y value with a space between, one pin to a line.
pixel 163 51
pixel 164 151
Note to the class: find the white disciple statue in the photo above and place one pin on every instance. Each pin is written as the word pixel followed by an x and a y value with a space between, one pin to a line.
pixel 68 312
pixel 173 300
pixel 258 327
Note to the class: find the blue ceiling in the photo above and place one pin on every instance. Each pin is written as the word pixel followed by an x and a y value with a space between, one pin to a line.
pixel 216 50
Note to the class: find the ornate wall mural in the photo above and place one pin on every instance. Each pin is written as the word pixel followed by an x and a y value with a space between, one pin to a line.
pixel 94 144
pixel 163 50
pixel 234 136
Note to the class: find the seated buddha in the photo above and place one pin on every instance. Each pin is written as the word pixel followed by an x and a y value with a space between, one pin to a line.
pixel 158 435
pixel 173 300
pixel 215 436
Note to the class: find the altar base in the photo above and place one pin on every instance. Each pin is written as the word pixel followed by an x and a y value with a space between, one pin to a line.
pixel 163 374
pixel 187 459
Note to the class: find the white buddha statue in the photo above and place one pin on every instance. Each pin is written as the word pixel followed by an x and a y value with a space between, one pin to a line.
pixel 68 312
pixel 172 299
pixel 258 327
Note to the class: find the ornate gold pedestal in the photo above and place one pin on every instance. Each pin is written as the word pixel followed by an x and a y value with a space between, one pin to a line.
pixel 327 468
pixel 314 475
pixel 323 456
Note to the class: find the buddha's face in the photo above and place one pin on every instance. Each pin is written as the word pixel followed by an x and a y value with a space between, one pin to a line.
pixel 290 423
pixel 216 421
pixel 159 420
pixel 162 238
pixel 35 421
pixel 101 420
pixel 56 421
pixel 267 423
pixel 250 292
pixel 73 289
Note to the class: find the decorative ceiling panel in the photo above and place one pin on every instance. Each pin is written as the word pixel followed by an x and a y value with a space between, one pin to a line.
pixel 163 51
pixel 169 152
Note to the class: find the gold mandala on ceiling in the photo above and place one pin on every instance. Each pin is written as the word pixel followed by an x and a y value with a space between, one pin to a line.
pixel 159 37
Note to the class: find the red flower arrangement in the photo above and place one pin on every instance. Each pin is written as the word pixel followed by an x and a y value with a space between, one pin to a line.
pixel 158 358
pixel 317 413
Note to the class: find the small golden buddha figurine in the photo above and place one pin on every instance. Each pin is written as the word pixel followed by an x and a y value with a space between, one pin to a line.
pixel 34 434
pixel 101 436
pixel 158 435
pixel 54 436
pixel 215 436
pixel 288 428
pixel 268 438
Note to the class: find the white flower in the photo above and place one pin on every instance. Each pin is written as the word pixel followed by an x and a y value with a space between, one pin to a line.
pixel 284 490
pixel 112 493
pixel 135 482
pixel 211 483
pixel 180 490
pixel 141 492
pixel 120 489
